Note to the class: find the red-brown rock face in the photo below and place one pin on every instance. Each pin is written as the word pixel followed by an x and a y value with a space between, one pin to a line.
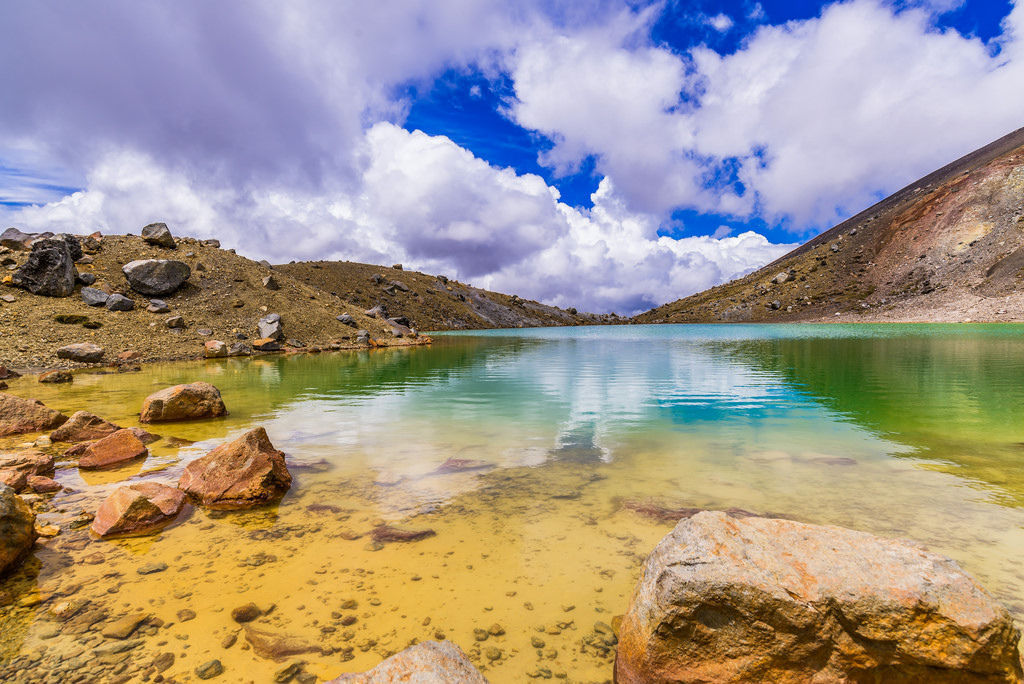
pixel 240 474
pixel 723 599
pixel 19 415
pixel 138 509
pixel 17 529
pixel 183 402
pixel 112 450
pixel 82 426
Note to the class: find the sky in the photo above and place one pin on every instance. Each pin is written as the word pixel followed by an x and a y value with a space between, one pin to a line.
pixel 610 155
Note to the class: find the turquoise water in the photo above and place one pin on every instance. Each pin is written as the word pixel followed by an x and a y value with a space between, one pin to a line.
pixel 910 431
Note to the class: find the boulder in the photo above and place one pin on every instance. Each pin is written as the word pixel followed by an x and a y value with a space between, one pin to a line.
pixel 725 599
pixel 118 302
pixel 19 415
pixel 158 234
pixel 156 277
pixel 82 426
pixel 56 376
pixel 94 297
pixel 30 462
pixel 42 485
pixel 271 326
pixel 346 319
pixel 7 374
pixel 83 352
pixel 137 509
pixel 362 337
pixel 183 402
pixel 49 270
pixel 215 349
pixel 12 238
pixel 74 246
pixel 379 311
pixel 399 285
pixel 239 349
pixel 91 243
pixel 425 663
pixel 17 530
pixel 243 473
pixel 15 479
pixel 112 450
pixel 266 344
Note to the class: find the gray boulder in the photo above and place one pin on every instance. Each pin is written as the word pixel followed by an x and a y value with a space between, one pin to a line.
pixel 118 302
pixel 158 234
pixel 725 599
pixel 399 285
pixel 84 352
pixel 239 349
pixel 346 319
pixel 86 278
pixel 156 277
pixel 425 663
pixel 157 306
pixel 12 238
pixel 363 337
pixel 74 246
pixel 17 529
pixel 94 297
pixel 270 283
pixel 270 326
pixel 379 311
pixel 50 269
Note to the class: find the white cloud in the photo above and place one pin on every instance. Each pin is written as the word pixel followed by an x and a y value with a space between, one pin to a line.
pixel 721 22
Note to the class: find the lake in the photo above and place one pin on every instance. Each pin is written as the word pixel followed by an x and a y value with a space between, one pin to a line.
pixel 910 431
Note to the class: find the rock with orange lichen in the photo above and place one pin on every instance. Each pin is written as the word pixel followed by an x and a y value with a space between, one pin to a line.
pixel 112 450
pixel 19 415
pixel 83 426
pixel 726 599
pixel 137 509
pixel 246 472
pixel 183 402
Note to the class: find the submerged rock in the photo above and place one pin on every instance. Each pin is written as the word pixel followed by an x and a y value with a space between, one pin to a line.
pixel 673 513
pixel 17 529
pixel 274 645
pixel 427 662
pixel 112 450
pixel 246 472
pixel 183 402
pixel 459 465
pixel 388 533
pixel 19 415
pixel 138 509
pixel 723 599
pixel 82 426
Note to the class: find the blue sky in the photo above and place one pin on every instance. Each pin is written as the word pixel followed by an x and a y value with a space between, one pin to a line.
pixel 610 154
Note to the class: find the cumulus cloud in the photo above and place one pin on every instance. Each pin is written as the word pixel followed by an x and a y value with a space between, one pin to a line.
pixel 721 22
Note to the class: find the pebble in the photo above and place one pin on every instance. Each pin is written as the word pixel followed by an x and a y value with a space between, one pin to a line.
pixel 537 642
pixel 492 653
pixel 496 630
pixel 246 613
pixel 210 669
pixel 186 614
pixel 150 568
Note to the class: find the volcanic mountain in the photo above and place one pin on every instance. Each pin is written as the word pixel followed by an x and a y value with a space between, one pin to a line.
pixel 949 247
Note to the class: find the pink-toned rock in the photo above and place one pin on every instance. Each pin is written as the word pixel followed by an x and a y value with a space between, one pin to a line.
pixel 215 349
pixel 425 663
pixel 42 485
pixel 82 426
pixel 30 462
pixel 19 415
pixel 17 529
pixel 726 599
pixel 183 402
pixel 113 450
pixel 15 479
pixel 246 472
pixel 137 509
pixel 129 357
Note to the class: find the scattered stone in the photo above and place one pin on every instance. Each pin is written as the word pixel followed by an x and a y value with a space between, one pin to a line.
pixel 380 311
pixel 83 352
pixel 123 627
pixel 186 614
pixel 152 568
pixel 459 465
pixel 429 661
pixel 19 415
pixel 239 349
pixel 388 533
pixel 158 234
pixel 94 297
pixel 156 277
pixel 17 529
pixel 215 349
pixel 113 450
pixel 30 462
pixel 288 672
pixel 42 485
pixel 835 248
pixel 137 509
pixel 15 479
pixel 229 640
pixel 275 646
pixel 7 374
pixel 537 642
pixel 14 239
pixel 50 269
pixel 158 306
pixel 163 661
pixel 264 263
pixel 397 267
pixel 210 669
pixel 271 326
pixel 82 426
pixel 10 299
pixel 246 613
pixel 363 337
pixel 183 402
pixel 86 278
pixel 56 376
pixel 149 437
pixel 754 599
pixel 346 319
pixel 175 322
pixel 128 357
pixel 496 630
pixel 266 344
pixel 492 653
pixel 270 282
pixel 243 473
pixel 70 319
pixel 204 332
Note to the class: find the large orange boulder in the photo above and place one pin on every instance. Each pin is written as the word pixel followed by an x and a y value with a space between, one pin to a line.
pixel 138 509
pixel 183 402
pixel 430 661
pixel 112 450
pixel 17 529
pixel 246 472
pixel 725 599
pixel 19 415
pixel 83 426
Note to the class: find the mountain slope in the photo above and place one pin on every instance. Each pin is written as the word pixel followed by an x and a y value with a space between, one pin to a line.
pixel 949 247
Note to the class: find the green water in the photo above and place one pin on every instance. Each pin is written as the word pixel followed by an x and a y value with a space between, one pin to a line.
pixel 906 431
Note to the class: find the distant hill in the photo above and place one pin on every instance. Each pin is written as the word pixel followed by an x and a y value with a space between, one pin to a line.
pixel 949 247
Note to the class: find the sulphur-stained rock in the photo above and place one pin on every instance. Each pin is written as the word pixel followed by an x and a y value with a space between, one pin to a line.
pixel 82 426
pixel 156 277
pixel 112 450
pixel 246 472
pixel 17 529
pixel 15 479
pixel 122 627
pixel 56 376
pixel 19 415
pixel 389 533
pixel 215 349
pixel 83 352
pixel 424 663
pixel 42 485
pixel 145 437
pixel 725 599
pixel 460 465
pixel 183 402
pixel 274 645
pixel 138 509
pixel 30 462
